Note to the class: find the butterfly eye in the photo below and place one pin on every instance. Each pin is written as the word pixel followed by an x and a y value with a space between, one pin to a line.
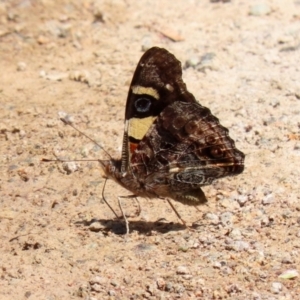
pixel 142 105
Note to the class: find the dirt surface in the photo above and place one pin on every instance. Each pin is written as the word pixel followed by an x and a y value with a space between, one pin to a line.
pixel 76 58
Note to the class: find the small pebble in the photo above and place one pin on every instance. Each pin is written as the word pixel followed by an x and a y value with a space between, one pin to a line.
pixel 182 270
pixel 56 76
pixel 81 76
pixel 96 227
pixel 161 284
pixel 111 293
pixel 96 287
pixel 217 265
pixel 260 258
pixel 199 293
pixel 19 150
pixel 268 199
pixel 226 270
pixel 276 287
pixel 179 289
pixel 235 234
pixel 192 61
pixel 98 14
pixel 127 279
pixel 286 39
pixel 195 245
pixel 187 276
pixel 240 246
pixel 226 202
pixel 242 199
pixel 169 286
pixel 58 29
pixel 259 9
pixel 21 66
pixel 207 62
pixel 264 222
pixel 83 291
pixel 42 73
pixel 287 260
pixel 98 280
pixel 213 218
pixel 22 134
pixel 42 40
pixel 114 283
pixel 151 289
pixel 233 289
pixel 70 167
pixel 65 116
pixel 226 218
pixel 92 78
pixel 51 123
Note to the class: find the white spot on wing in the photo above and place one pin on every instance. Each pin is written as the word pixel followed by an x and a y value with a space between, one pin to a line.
pixel 169 87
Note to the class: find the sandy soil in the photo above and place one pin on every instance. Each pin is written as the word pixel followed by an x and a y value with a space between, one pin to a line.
pixel 58 239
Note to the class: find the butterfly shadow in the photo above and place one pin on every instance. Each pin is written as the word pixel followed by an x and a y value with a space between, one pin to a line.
pixel 117 226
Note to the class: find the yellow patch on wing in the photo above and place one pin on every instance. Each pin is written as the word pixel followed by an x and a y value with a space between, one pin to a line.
pixel 139 90
pixel 137 128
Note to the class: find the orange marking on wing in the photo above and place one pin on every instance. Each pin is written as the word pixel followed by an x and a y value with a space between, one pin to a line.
pixel 132 147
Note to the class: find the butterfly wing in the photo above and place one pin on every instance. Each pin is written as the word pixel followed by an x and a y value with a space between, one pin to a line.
pixel 184 149
pixel 172 145
pixel 156 83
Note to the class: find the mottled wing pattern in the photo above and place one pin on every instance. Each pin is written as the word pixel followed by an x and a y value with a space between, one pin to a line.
pixel 183 146
pixel 184 149
pixel 156 83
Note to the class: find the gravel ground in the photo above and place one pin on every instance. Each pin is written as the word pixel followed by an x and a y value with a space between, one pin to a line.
pixel 76 58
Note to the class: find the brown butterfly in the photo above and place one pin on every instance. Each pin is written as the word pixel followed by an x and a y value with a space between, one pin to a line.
pixel 172 145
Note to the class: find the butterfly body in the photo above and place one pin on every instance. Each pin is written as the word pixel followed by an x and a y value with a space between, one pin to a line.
pixel 172 145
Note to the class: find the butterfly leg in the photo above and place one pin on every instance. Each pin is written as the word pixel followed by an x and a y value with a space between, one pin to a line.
pixel 139 210
pixel 123 214
pixel 103 197
pixel 139 206
pixel 176 212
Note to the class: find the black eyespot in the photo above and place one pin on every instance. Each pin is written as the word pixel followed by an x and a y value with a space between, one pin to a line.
pixel 142 105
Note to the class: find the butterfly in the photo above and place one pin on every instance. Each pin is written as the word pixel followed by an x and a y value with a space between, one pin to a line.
pixel 172 145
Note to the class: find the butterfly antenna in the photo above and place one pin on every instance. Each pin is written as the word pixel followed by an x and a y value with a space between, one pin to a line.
pixel 66 160
pixel 67 122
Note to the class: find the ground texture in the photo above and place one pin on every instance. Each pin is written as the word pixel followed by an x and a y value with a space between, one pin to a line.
pixel 58 239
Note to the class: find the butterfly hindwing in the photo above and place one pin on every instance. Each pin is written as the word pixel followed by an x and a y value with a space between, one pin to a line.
pixel 189 148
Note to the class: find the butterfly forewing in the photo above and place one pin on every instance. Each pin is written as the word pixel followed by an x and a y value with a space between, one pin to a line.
pixel 172 145
pixel 156 83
